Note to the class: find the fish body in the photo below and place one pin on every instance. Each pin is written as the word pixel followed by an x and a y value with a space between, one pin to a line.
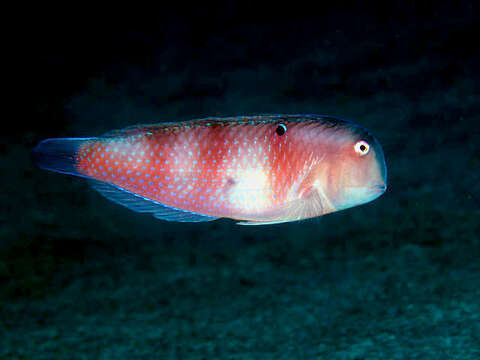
pixel 257 169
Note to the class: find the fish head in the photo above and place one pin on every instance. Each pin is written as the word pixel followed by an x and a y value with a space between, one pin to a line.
pixel 355 171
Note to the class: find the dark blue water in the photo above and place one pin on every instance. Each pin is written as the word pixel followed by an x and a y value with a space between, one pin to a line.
pixel 398 278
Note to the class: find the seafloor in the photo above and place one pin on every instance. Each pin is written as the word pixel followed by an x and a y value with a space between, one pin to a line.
pixel 399 278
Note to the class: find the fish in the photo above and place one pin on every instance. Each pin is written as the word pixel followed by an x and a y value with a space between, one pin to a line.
pixel 258 170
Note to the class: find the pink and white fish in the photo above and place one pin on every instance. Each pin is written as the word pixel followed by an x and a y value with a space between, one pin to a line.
pixel 261 169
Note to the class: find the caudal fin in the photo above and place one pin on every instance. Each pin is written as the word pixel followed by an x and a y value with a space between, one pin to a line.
pixel 58 154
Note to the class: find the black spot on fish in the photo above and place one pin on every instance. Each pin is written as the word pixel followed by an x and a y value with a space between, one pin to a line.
pixel 281 129
pixel 229 184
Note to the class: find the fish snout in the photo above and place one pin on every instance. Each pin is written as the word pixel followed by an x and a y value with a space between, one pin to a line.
pixel 380 188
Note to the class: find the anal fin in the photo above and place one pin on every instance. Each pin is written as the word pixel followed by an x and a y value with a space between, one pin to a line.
pixel 141 204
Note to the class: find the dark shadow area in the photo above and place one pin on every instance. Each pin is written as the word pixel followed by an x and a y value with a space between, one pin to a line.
pixel 81 277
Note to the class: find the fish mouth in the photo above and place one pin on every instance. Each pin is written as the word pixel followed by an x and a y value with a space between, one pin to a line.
pixel 379 189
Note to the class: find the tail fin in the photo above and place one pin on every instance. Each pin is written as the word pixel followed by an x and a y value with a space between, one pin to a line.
pixel 58 154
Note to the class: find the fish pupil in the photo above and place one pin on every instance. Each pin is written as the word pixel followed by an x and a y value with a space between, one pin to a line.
pixel 281 129
pixel 363 148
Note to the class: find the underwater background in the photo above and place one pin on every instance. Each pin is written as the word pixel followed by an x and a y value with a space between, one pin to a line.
pixel 398 278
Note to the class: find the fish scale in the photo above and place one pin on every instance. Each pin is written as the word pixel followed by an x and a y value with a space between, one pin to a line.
pixel 177 169
pixel 241 167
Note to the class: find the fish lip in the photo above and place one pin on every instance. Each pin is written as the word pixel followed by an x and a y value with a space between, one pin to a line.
pixel 380 188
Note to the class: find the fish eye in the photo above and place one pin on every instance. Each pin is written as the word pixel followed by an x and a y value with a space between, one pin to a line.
pixel 362 148
pixel 281 129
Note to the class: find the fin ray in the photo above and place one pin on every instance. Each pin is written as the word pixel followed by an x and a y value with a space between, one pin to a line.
pixel 140 204
pixel 59 154
pixel 252 223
